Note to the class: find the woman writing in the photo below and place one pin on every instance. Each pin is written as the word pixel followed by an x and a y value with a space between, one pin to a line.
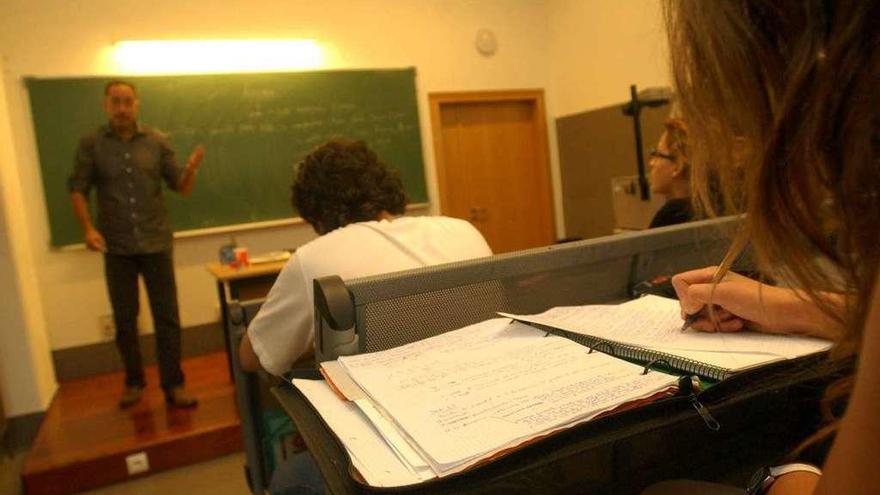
pixel 796 83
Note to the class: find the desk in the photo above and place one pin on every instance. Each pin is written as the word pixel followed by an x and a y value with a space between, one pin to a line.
pixel 763 412
pixel 241 284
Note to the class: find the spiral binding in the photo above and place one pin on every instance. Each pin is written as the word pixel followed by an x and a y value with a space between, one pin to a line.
pixel 641 354
pixel 652 362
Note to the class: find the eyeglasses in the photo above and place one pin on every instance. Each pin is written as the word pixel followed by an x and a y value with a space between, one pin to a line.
pixel 653 153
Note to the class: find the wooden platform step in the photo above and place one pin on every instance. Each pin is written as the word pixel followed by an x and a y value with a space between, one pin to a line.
pixel 85 439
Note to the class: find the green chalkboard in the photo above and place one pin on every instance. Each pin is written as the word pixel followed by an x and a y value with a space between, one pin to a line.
pixel 255 127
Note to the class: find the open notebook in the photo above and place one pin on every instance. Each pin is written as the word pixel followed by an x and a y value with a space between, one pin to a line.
pixel 444 404
pixel 648 329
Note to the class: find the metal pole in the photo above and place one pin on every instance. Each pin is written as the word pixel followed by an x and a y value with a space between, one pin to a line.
pixel 640 157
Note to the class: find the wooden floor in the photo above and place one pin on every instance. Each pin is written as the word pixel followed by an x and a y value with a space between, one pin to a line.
pixel 85 438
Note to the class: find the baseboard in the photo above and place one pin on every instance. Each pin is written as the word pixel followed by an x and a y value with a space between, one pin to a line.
pixel 20 432
pixel 93 359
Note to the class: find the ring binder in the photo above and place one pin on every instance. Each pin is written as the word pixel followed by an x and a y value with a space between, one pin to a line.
pixel 640 354
pixel 601 343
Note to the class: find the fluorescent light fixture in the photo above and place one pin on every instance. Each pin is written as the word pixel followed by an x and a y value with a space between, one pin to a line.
pixel 207 56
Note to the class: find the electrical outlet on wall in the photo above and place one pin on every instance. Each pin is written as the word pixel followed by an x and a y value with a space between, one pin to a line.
pixel 137 463
pixel 107 327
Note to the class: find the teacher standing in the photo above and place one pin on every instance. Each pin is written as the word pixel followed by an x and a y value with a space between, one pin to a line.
pixel 127 161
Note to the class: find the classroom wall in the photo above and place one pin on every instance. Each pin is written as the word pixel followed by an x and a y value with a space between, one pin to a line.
pixel 63 38
pixel 600 47
pixel 583 53
pixel 27 378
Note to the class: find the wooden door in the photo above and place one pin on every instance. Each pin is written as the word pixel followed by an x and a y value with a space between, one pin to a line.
pixel 493 165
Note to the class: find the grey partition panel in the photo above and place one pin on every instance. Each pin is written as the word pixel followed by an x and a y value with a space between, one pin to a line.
pixel 406 319
pixel 682 247
pixel 403 307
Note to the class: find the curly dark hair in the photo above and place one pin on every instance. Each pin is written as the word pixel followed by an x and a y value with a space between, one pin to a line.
pixel 343 182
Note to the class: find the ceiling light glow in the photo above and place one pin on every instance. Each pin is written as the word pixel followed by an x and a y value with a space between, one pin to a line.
pixel 210 56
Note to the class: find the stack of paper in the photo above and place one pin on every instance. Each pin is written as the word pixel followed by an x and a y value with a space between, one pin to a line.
pixel 370 454
pixel 449 402
pixel 270 257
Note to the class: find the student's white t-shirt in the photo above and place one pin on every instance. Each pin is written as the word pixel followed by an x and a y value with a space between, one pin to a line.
pixel 283 330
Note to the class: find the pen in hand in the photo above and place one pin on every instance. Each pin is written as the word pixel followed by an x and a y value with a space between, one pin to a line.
pixel 690 320
pixel 716 279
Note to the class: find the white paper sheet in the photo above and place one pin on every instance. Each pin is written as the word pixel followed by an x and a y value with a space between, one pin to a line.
pixel 370 455
pixel 655 322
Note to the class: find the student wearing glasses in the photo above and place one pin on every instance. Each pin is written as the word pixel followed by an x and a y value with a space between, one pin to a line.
pixel 668 169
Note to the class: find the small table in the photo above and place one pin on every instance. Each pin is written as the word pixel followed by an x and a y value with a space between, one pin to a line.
pixel 250 282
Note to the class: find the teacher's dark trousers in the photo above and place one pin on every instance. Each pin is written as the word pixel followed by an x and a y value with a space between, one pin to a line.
pixel 121 272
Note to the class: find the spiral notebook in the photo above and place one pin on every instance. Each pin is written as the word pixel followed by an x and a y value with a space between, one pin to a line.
pixel 647 330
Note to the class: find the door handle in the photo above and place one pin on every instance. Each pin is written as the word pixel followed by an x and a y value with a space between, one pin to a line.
pixel 478 214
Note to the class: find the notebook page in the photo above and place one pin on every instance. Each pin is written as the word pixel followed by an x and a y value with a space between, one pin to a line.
pixel 654 322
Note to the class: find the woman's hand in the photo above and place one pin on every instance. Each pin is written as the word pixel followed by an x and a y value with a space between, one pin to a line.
pixel 745 304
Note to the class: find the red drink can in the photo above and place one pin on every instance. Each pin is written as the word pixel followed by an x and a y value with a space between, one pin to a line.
pixel 241 257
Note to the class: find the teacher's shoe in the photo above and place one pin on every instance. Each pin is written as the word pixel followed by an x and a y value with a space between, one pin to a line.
pixel 130 397
pixel 178 397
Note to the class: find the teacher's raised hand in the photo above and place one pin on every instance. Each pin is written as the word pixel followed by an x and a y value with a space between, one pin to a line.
pixel 195 158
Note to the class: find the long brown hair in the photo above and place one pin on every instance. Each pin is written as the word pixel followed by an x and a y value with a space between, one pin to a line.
pixel 781 97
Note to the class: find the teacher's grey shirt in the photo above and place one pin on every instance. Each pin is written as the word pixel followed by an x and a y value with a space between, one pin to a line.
pixel 128 176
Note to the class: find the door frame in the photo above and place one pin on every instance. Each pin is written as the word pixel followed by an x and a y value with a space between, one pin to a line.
pixel 539 122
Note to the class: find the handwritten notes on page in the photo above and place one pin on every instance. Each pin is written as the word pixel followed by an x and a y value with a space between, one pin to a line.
pixel 466 395
pixel 654 322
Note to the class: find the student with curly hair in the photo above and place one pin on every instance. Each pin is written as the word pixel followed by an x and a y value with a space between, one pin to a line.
pixel 354 202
